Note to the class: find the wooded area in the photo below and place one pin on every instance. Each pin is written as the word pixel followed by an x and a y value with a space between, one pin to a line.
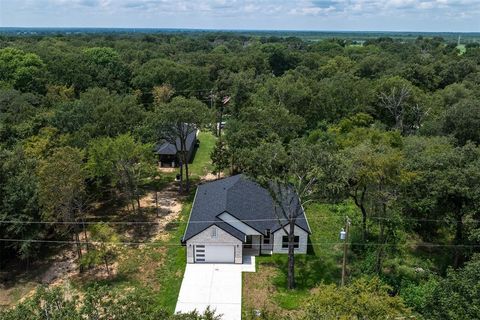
pixel 390 128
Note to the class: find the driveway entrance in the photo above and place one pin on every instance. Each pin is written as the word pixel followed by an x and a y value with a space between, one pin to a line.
pixel 216 285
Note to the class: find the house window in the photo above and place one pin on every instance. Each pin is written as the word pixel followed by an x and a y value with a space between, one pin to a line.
pixel 296 240
pixel 214 232
pixel 266 238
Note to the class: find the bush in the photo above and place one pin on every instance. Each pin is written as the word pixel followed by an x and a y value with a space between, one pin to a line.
pixel 416 295
pixel 362 299
pixel 99 303
pixel 458 295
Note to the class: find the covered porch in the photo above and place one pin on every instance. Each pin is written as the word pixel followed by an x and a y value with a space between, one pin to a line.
pixel 256 245
pixel 167 160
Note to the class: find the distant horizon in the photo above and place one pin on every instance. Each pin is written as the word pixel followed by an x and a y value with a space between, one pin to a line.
pixel 462 16
pixel 235 29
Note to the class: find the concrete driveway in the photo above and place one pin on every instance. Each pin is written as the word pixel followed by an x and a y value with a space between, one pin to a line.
pixel 216 285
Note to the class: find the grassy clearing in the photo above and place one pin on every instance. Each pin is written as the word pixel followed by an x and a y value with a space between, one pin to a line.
pixel 462 48
pixel 266 288
pixel 202 164
pixel 156 267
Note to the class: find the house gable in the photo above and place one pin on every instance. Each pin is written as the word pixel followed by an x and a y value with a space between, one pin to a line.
pixel 237 224
pixel 302 241
pixel 221 238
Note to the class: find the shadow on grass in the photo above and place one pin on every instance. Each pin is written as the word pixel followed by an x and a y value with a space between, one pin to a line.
pixel 115 281
pixel 310 271
pixel 172 226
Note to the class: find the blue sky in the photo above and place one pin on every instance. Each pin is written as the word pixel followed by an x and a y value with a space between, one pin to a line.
pixel 362 15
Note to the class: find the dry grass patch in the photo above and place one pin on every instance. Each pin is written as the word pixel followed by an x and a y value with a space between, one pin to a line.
pixel 258 289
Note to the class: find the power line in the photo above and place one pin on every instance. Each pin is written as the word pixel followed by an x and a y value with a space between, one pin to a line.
pixel 315 218
pixel 427 245
pixel 185 90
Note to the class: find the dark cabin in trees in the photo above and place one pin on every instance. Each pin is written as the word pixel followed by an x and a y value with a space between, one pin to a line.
pixel 168 154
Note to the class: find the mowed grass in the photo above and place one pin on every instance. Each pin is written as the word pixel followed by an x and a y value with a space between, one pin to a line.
pixel 202 163
pixel 322 264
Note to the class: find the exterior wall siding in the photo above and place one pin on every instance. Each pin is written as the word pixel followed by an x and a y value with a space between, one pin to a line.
pixel 303 241
pixel 205 238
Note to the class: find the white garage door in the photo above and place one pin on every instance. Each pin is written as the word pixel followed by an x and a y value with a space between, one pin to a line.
pixel 214 253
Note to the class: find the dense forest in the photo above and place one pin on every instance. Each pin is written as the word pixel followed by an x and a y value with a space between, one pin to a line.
pixel 389 129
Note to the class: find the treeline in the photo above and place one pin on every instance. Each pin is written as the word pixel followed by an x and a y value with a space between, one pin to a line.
pixel 398 122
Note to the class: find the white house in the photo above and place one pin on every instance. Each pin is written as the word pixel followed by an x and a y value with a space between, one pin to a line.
pixel 233 217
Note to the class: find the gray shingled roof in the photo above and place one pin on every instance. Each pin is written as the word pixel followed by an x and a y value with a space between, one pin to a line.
pixel 167 148
pixel 242 198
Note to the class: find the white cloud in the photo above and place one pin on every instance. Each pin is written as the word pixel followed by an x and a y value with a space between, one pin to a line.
pixel 308 7
pixel 386 7
pixel 288 13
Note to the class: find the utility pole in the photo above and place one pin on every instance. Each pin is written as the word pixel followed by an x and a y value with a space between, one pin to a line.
pixel 344 236
pixel 225 101
pixel 212 100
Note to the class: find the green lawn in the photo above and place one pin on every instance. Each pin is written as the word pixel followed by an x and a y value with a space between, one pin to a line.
pixel 202 164
pixel 321 264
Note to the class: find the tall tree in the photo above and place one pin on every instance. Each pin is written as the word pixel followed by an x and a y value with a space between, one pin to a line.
pixel 401 104
pixel 220 157
pixel 176 121
pixel 445 186
pixel 373 164
pixel 104 245
pixel 462 120
pixel 62 188
pixel 294 176
pixel 374 174
pixel 22 71
pixel 19 205
pixel 106 69
pixel 97 113
pixel 123 163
